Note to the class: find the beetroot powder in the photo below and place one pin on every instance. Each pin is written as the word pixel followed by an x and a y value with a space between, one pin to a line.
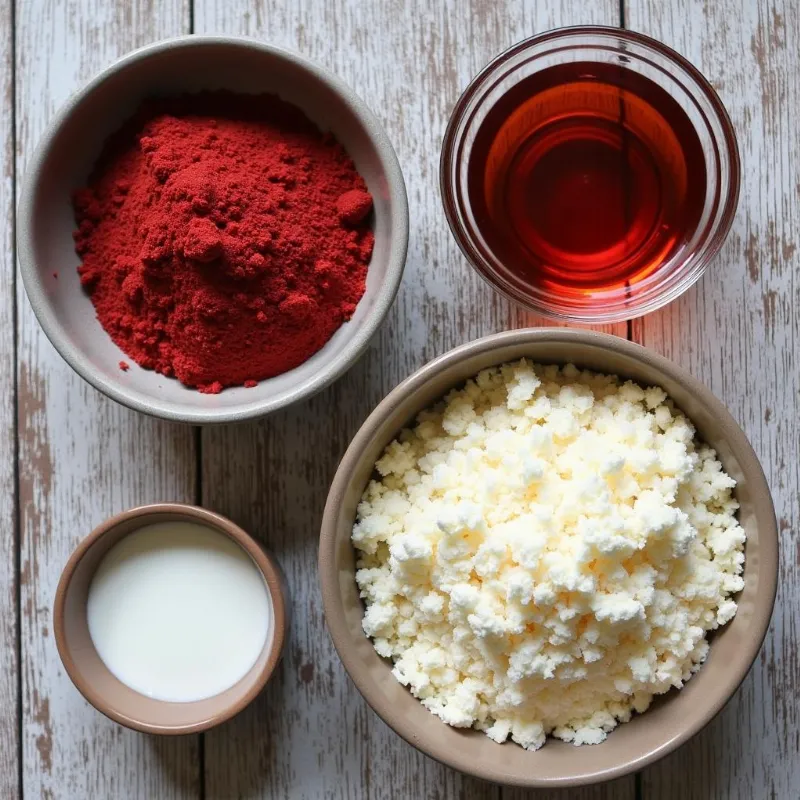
pixel 223 238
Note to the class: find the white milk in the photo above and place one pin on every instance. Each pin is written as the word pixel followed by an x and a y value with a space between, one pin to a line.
pixel 178 611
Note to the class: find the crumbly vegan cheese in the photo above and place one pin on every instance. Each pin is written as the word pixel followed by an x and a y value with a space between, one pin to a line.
pixel 545 551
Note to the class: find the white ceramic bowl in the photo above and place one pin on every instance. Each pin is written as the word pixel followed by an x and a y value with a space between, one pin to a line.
pixel 67 153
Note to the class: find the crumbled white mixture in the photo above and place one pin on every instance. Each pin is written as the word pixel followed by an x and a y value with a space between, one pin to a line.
pixel 545 551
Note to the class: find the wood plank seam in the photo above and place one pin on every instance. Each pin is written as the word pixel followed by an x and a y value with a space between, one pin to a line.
pixel 17 528
pixel 82 457
pixel 198 492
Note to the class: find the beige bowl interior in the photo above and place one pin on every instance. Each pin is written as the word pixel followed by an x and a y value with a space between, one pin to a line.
pixel 91 676
pixel 672 719
pixel 68 151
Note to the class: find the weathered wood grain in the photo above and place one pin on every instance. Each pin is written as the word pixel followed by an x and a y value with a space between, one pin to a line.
pixel 311 735
pixel 82 457
pixel 738 331
pixel 9 654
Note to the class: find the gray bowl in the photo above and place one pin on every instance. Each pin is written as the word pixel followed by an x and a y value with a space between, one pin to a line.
pixel 67 154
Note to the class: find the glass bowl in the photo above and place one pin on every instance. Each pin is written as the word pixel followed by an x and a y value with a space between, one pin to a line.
pixel 603 47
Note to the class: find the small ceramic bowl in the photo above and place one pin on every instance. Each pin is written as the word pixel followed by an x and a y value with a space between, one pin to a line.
pixel 68 151
pixel 673 718
pixel 91 676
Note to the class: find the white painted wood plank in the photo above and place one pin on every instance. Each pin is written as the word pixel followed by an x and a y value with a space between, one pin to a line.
pixel 82 457
pixel 9 655
pixel 311 735
pixel 738 331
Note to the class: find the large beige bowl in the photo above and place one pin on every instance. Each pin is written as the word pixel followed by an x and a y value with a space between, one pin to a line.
pixel 672 719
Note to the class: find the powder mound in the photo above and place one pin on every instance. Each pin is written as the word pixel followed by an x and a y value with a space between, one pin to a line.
pixel 223 238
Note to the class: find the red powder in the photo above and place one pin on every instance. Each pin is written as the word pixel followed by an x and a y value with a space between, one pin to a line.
pixel 223 238
pixel 124 366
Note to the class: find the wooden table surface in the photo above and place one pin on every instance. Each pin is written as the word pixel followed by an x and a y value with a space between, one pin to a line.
pixel 69 457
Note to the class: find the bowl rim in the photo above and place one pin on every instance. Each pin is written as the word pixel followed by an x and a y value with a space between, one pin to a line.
pixel 181 512
pixel 384 294
pixel 330 580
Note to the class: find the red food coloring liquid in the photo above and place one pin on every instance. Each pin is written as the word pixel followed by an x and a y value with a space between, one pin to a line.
pixel 586 177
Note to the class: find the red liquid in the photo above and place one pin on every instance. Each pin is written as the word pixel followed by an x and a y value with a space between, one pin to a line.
pixel 586 177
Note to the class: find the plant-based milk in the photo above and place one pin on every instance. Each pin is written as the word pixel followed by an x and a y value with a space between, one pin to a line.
pixel 178 611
